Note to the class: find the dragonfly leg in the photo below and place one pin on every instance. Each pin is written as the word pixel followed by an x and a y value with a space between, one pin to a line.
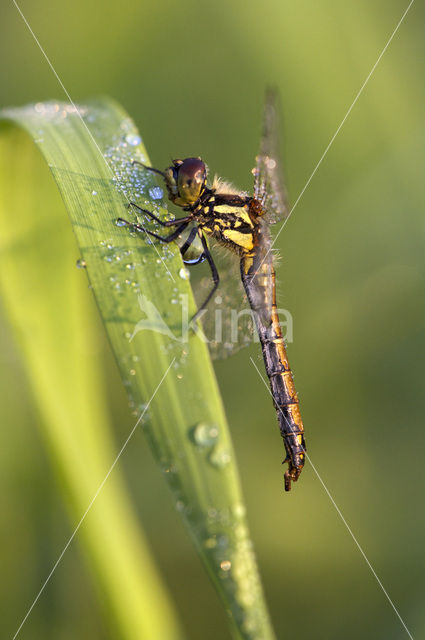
pixel 198 260
pixel 214 273
pixel 187 244
pixel 138 227
pixel 191 237
pixel 167 223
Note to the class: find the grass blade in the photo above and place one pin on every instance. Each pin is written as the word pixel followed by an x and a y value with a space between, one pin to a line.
pixel 90 160
pixel 56 322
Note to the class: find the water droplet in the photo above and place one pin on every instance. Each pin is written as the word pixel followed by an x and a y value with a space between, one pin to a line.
pixel 129 266
pixel 210 543
pixel 205 435
pixel 81 264
pixel 225 565
pixel 220 458
pixel 184 273
pixel 133 139
pixel 94 193
pixel 142 409
pixel 156 193
pixel 132 372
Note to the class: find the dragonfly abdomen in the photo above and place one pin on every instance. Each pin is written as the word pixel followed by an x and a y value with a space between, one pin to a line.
pixel 285 397
pixel 277 366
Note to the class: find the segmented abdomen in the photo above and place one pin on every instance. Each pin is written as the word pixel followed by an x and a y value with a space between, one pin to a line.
pixel 258 278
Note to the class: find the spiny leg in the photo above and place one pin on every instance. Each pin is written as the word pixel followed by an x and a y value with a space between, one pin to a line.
pixel 183 249
pixel 167 223
pixel 191 237
pixel 195 261
pixel 173 236
pixel 138 227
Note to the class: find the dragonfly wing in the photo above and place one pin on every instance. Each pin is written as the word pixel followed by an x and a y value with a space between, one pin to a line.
pixel 269 185
pixel 227 322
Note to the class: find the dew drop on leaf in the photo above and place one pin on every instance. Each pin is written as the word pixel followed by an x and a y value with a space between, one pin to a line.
pixel 156 193
pixel 133 139
pixel 184 273
pixel 220 458
pixel 210 543
pixel 225 565
pixel 205 435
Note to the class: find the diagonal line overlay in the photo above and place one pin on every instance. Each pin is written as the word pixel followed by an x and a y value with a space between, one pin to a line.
pixel 360 91
pixel 79 115
pixel 99 489
pixel 340 515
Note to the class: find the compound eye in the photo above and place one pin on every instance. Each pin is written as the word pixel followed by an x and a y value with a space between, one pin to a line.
pixel 192 174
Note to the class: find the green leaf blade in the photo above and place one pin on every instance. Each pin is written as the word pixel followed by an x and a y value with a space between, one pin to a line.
pixel 169 381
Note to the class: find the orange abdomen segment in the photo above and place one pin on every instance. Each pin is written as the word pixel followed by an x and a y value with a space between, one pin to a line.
pixel 276 363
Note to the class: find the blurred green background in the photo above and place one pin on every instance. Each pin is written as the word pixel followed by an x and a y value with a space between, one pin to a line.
pixel 352 271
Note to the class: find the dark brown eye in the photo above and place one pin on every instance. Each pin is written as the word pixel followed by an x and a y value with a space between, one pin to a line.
pixel 192 174
pixel 192 169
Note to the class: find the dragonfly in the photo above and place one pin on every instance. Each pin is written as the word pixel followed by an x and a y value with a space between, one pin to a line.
pixel 241 224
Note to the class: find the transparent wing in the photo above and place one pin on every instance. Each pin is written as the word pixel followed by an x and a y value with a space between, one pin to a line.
pixel 269 186
pixel 227 322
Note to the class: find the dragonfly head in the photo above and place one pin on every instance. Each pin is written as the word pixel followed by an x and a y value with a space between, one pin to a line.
pixel 186 180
